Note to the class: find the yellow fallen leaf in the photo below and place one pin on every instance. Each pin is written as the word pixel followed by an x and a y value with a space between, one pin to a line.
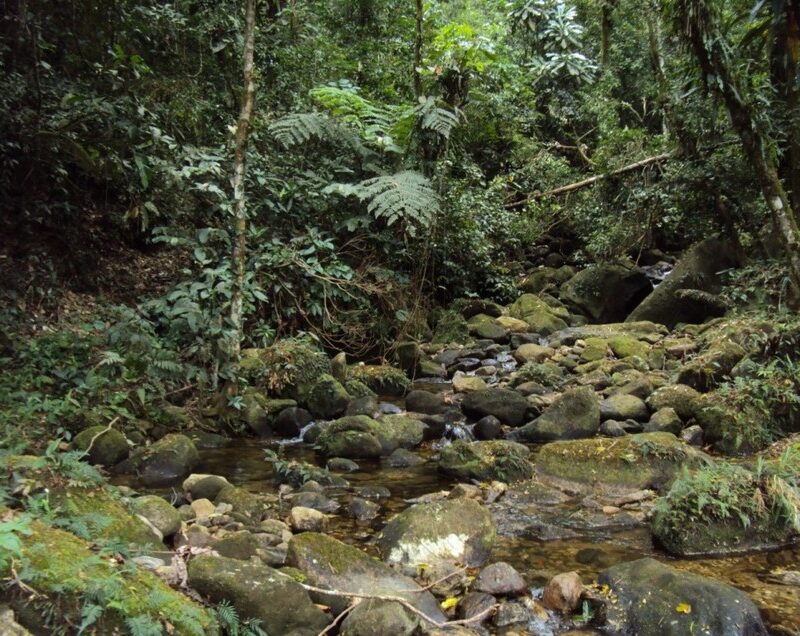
pixel 449 603
pixel 683 608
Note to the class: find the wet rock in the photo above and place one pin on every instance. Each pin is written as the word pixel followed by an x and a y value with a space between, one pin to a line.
pixel 488 428
pixel 8 624
pixel 512 325
pixel 374 492
pixel 684 399
pixel 612 428
pixel 315 500
pixel 439 534
pixel 257 591
pixel 533 353
pixel 472 307
pixel 168 460
pixel 398 431
pixel 640 387
pixel 402 458
pixel 506 405
pixel 486 461
pixel 463 383
pixel 539 316
pixel 632 462
pixel 654 599
pixel 666 420
pixel 331 564
pixel 563 592
pixel 511 613
pixel 500 579
pixel 342 465
pixel 159 513
pixel 373 617
pixel 362 510
pixel 574 415
pixel 693 435
pixel 626 346
pixel 487 329
pixel 290 421
pixel 366 405
pixel 606 292
pixel 243 502
pixel 108 446
pixel 203 509
pixel 382 379
pixel 327 398
pixel 307 519
pixel 425 402
pixel 409 356
pixel 474 604
pixel 465 491
pixel 624 407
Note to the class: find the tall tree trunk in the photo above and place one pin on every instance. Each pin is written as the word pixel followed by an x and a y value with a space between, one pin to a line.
pixel 606 27
pixel 239 172
pixel 418 50
pixel 705 39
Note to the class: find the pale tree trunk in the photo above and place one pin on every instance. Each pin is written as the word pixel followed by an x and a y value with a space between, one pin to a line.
pixel 418 50
pixel 239 172
pixel 712 58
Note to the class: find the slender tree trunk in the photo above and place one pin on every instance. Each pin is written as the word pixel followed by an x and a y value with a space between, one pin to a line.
pixel 239 172
pixel 657 60
pixel 606 27
pixel 418 50
pixel 712 58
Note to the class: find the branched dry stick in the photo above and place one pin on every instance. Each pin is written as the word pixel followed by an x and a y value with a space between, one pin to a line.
pixel 402 601
pixel 103 432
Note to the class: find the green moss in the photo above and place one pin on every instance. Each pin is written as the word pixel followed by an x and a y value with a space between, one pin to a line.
pixel 382 379
pixel 635 461
pixel 288 368
pixel 69 575
pixel 496 459
pixel 541 318
pixel 547 374
pixel 357 389
pixel 451 328
pixel 330 555
pixel 724 508
pixel 595 349
pixel 624 346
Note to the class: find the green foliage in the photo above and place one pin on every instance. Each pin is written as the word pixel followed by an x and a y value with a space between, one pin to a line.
pixel 10 544
pixel 232 623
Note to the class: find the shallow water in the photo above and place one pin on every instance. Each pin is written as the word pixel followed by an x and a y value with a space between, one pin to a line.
pixel 587 553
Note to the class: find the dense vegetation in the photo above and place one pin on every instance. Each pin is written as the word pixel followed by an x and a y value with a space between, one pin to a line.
pixel 205 197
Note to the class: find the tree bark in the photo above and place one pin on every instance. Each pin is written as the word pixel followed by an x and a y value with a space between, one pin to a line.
pixel 418 50
pixel 704 37
pixel 239 173
pixel 606 27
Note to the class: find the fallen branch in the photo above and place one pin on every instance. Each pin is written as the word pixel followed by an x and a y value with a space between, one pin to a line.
pixel 587 182
pixel 402 601
pixel 95 438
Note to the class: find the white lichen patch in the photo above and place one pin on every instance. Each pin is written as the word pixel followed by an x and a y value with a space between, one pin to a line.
pixel 451 547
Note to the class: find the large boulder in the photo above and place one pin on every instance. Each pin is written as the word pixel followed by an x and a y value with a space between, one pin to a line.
pixel 685 400
pixel 440 534
pixel 108 446
pixel 506 405
pixel 289 368
pixel 327 399
pixel 159 513
pixel 353 437
pixel 168 460
pixel 654 599
pixel 486 461
pixel 383 380
pixel 333 565
pixel 257 591
pixel 575 414
pixel 698 269
pixel 710 367
pixel 606 292
pixel 695 517
pixel 398 431
pixel 624 407
pixel 372 617
pixel 634 462
pixel 541 318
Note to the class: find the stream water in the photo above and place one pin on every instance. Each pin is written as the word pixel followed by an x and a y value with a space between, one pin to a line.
pixel 587 553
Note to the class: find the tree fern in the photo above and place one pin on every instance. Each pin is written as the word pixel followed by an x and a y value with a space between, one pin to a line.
pixel 405 197
pixel 299 128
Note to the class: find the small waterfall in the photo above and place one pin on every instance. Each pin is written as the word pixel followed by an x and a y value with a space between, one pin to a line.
pixel 296 440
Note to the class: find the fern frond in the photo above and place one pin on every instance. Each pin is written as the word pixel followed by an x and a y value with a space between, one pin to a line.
pixel 299 128
pixel 436 119
pixel 406 196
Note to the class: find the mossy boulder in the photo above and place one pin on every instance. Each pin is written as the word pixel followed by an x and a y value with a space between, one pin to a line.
pixel 398 431
pixel 245 504
pixel 108 446
pixel 64 570
pixel 541 318
pixel 372 617
pixel 707 370
pixel 289 368
pixel 625 346
pixel 382 379
pixel 486 328
pixel 470 307
pixel 548 374
pixel 634 462
pixel 606 292
pixel 327 399
pixel 257 591
pixel 358 389
pixel 574 415
pixel 594 349
pixel 733 427
pixel 624 407
pixel 440 535
pixel 451 328
pixel 532 352
pixel 352 437
pixel 726 509
pixel 655 599
pixel 101 515
pixel 488 460
pixel 161 515
pixel 684 399
pixel 333 565
pixel 545 278
pixel 698 268
pixel 168 460
pixel 506 405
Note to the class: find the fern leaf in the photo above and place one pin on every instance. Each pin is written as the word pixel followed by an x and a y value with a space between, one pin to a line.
pixel 439 120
